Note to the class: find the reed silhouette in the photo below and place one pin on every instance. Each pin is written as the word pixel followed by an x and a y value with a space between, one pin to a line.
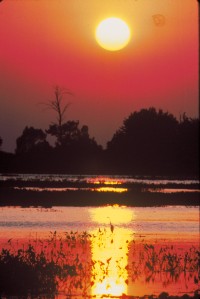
pixel 62 263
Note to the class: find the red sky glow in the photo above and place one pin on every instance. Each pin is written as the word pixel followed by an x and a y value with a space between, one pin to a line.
pixel 47 43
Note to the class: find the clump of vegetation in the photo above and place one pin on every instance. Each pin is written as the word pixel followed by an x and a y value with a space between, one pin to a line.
pixel 43 266
pixel 166 262
pixel 27 272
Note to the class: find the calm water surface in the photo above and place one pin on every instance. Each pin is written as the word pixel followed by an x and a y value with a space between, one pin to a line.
pixel 157 221
pixel 123 227
pixel 160 226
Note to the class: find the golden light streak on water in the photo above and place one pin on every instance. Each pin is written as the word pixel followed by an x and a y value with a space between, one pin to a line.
pixel 105 181
pixel 109 250
pixel 115 214
pixel 111 189
pixel 100 189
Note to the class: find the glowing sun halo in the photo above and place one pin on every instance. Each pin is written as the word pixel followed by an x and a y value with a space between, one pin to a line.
pixel 113 34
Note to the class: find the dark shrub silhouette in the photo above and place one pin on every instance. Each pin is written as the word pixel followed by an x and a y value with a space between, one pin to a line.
pixel 33 152
pixel 30 140
pixel 77 151
pixel 188 145
pixel 145 143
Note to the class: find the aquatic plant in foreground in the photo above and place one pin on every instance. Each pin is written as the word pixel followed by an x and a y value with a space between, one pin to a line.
pixel 64 264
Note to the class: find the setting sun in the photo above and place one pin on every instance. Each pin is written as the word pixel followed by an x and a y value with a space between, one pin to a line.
pixel 113 34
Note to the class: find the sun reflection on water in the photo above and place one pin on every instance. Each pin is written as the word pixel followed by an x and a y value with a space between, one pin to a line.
pixel 109 250
pixel 105 181
pixel 115 214
pixel 111 189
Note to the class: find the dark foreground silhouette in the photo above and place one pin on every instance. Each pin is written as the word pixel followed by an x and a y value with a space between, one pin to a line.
pixel 43 267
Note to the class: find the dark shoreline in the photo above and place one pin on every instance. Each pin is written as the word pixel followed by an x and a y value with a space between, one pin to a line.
pixel 47 191
pixel 12 197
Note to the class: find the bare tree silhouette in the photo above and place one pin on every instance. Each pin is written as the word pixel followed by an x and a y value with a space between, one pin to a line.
pixel 57 105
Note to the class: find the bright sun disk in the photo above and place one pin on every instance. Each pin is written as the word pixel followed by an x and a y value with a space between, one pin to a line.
pixel 113 34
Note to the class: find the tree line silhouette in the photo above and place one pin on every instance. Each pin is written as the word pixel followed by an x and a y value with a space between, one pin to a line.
pixel 149 142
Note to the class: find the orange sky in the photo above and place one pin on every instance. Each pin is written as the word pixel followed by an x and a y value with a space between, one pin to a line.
pixel 44 43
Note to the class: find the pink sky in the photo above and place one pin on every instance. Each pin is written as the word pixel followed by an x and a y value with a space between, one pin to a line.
pixel 47 43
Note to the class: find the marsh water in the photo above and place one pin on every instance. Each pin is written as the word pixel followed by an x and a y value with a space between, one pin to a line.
pixel 119 233
pixel 153 222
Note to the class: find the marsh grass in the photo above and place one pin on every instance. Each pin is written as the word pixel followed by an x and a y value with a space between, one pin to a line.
pixel 165 263
pixel 64 264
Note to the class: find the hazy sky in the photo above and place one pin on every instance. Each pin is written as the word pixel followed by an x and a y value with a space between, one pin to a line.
pixel 44 43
